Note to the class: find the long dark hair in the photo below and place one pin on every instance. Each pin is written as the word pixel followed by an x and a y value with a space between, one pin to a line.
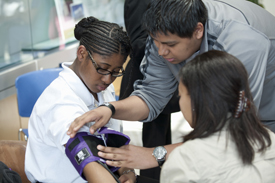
pixel 176 16
pixel 214 80
pixel 102 37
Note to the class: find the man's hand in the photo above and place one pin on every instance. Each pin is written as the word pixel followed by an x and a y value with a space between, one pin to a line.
pixel 100 116
pixel 129 156
pixel 126 177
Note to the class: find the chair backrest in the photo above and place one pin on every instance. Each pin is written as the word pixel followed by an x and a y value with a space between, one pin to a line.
pixel 29 87
pixel 12 153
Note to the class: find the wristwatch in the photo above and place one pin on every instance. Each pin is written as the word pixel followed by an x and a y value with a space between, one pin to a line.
pixel 110 106
pixel 159 153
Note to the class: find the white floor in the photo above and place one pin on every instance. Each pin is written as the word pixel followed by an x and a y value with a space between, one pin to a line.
pixel 179 127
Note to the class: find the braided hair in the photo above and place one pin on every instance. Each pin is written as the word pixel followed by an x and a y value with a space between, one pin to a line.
pixel 102 37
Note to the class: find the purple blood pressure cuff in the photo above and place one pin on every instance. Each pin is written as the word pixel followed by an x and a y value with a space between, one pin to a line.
pixel 82 150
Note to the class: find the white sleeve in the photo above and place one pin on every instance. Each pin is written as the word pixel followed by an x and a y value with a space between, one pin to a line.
pixel 62 116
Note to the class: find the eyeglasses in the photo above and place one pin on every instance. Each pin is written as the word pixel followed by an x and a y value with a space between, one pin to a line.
pixel 105 71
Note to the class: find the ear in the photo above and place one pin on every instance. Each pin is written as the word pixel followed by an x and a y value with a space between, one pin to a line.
pixel 81 53
pixel 198 33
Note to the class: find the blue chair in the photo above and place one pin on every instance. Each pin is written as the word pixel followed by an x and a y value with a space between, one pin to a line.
pixel 29 87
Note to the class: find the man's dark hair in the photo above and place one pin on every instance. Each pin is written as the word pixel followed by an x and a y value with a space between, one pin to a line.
pixel 175 16
pixel 214 80
pixel 102 37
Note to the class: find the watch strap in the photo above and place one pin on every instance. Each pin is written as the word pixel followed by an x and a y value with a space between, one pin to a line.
pixel 110 106
pixel 161 162
pixel 162 159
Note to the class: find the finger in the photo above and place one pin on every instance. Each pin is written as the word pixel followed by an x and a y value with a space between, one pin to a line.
pixel 70 130
pixel 98 124
pixel 109 149
pixel 101 148
pixel 79 122
pixel 110 156
pixel 76 125
pixel 73 127
pixel 116 163
pixel 95 127
pixel 123 179
pixel 103 120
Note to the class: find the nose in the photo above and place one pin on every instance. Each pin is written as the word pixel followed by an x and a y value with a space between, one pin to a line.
pixel 163 51
pixel 107 79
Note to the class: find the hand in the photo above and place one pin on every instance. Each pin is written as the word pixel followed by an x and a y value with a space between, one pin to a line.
pixel 128 178
pixel 100 116
pixel 129 156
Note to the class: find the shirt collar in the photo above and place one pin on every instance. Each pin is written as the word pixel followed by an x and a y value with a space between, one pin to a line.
pixel 77 85
pixel 204 45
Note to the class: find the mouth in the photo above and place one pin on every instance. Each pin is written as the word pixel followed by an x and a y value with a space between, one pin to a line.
pixel 169 59
pixel 102 87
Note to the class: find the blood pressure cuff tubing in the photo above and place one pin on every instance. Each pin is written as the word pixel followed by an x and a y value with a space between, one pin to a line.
pixel 82 150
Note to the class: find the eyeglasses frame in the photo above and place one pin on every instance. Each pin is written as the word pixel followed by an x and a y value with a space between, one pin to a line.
pixel 98 67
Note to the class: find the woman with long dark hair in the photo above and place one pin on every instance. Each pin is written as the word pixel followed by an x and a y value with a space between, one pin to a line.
pixel 228 143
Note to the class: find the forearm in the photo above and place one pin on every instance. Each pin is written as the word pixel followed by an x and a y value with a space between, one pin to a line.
pixel 94 172
pixel 152 161
pixel 132 108
pixel 132 156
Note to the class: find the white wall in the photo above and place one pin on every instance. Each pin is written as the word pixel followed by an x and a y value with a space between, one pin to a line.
pixel 269 5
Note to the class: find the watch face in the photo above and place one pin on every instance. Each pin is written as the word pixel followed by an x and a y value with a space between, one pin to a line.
pixel 159 152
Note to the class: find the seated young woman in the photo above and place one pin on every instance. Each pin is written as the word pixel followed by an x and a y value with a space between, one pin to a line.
pixel 228 142
pixel 83 85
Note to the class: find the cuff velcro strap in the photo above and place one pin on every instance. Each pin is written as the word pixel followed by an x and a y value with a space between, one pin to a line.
pixel 82 149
